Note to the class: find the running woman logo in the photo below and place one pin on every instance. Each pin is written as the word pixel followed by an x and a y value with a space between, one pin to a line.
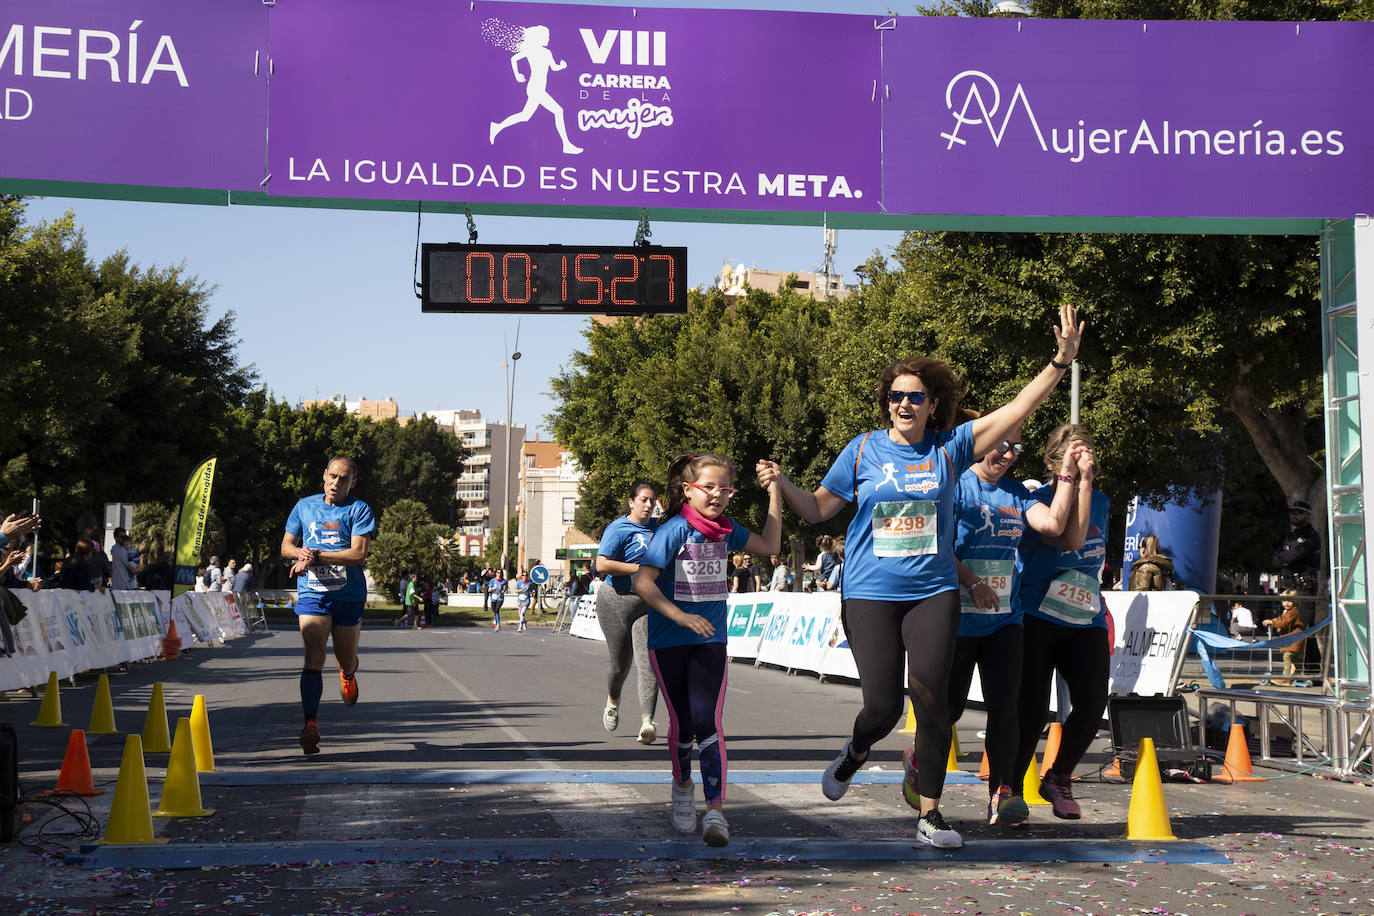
pixel 530 45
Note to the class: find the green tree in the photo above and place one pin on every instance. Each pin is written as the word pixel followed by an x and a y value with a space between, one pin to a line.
pixel 409 541
pixel 154 531
pixel 491 550
pixel 738 379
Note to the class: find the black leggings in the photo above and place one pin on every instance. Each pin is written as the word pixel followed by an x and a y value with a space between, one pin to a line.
pixel 879 632
pixel 998 656
pixel 1081 657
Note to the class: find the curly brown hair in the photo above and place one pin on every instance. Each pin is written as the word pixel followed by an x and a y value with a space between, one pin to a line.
pixel 940 381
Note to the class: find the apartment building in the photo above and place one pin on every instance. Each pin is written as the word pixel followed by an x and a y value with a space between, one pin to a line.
pixel 549 478
pixel 489 469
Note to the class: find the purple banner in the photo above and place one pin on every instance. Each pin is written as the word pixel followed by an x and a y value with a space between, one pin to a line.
pixel 154 92
pixel 1203 119
pixel 575 105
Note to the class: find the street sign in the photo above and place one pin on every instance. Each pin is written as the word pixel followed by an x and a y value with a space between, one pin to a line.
pixel 539 575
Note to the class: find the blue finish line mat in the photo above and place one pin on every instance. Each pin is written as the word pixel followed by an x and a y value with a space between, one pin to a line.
pixel 305 777
pixel 185 855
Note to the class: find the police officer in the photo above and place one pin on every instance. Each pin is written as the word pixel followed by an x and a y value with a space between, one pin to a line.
pixel 1298 555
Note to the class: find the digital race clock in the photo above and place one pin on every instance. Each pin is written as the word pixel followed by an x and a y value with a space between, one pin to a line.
pixel 632 279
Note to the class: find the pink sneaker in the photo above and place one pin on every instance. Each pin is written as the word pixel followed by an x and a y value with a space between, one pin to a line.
pixel 1055 789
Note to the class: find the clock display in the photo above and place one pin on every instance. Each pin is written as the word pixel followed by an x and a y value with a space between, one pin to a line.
pixel 624 280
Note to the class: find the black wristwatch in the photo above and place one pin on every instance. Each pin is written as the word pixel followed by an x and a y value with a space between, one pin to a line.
pixel 1058 365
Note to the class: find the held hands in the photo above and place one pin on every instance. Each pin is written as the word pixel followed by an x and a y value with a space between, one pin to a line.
pixel 1087 465
pixel 1068 335
pixel 769 473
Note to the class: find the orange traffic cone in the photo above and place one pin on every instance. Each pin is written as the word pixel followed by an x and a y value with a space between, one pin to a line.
pixel 1113 772
pixel 1237 767
pixel 984 770
pixel 1051 747
pixel 75 778
pixel 171 643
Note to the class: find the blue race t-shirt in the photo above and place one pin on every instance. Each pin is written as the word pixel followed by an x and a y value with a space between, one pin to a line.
pixel 692 577
pixel 522 590
pixel 496 590
pixel 625 541
pixel 321 526
pixel 900 544
pixel 991 518
pixel 1062 586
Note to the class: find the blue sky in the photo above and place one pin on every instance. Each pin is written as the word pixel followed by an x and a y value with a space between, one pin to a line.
pixel 324 302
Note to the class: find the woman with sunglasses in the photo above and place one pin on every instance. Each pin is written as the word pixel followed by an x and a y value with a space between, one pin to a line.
pixel 622 614
pixel 682 577
pixel 900 591
pixel 1064 619
pixel 992 511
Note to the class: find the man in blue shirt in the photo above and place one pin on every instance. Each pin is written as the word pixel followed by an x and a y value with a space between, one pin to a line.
pixel 327 537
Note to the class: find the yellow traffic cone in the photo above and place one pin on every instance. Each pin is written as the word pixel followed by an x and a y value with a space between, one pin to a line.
pixel 200 736
pixel 952 765
pixel 50 713
pixel 131 820
pixel 156 740
pixel 181 788
pixel 1148 817
pixel 1030 785
pixel 102 714
pixel 910 727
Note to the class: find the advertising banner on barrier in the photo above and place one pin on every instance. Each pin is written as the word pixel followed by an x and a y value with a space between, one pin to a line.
pixel 69 631
pixel 154 92
pixel 799 630
pixel 1151 633
pixel 584 622
pixel 585 105
pixel 1092 118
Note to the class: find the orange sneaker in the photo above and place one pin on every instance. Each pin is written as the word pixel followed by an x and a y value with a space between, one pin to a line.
pixel 348 687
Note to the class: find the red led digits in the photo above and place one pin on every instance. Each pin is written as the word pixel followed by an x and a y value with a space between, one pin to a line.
pixel 577 275
pixel 632 279
pixel 505 278
pixel 668 259
pixel 491 275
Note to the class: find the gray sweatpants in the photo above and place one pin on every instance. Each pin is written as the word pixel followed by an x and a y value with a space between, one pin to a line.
pixel 624 621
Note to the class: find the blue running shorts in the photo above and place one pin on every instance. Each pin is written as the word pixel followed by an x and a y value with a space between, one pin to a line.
pixel 345 613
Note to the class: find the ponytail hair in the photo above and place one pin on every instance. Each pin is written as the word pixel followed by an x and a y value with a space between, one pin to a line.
pixel 685 468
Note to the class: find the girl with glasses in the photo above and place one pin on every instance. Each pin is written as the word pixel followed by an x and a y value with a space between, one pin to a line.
pixel 622 614
pixel 1065 621
pixel 992 512
pixel 682 577
pixel 900 591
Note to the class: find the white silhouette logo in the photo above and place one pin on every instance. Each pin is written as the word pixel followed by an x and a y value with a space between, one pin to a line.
pixel 532 46
pixel 889 476
pixel 987 520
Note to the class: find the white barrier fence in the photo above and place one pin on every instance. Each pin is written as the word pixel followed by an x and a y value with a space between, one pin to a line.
pixel 803 631
pixel 69 631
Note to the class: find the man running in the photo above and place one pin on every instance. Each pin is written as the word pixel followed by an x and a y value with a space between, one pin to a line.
pixel 330 587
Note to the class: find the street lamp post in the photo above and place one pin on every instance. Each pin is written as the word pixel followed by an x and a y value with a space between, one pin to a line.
pixel 506 474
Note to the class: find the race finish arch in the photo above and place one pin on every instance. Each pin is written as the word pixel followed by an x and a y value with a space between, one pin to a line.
pixel 581 111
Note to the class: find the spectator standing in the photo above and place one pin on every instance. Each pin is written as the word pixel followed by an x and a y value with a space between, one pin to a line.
pixel 244 579
pixel 741 578
pixel 1290 621
pixel 429 603
pixel 1298 556
pixel 214 575
pixel 1152 571
pixel 80 571
pixel 123 569
pixel 778 582
pixel 230 572
pixel 99 561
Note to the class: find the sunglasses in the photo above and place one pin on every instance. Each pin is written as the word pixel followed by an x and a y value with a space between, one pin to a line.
pixel 1016 448
pixel 711 489
pixel 917 398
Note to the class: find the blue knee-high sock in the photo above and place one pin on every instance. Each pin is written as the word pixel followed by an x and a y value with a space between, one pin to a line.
pixel 312 688
pixel 712 775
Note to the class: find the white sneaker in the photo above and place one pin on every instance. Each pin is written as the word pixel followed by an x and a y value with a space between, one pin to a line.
pixel 610 717
pixel 932 830
pixel 835 779
pixel 714 830
pixel 647 733
pixel 684 808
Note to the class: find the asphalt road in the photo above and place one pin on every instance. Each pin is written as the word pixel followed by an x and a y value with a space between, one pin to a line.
pixel 474 775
